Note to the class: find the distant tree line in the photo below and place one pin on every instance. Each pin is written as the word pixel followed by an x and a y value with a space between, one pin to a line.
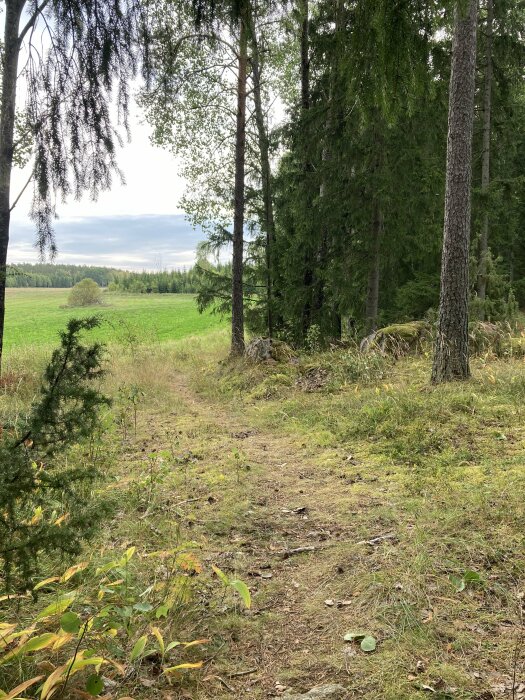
pixel 66 276
pixel 173 282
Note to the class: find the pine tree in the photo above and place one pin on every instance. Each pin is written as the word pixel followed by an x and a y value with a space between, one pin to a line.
pixel 451 356
pixel 45 498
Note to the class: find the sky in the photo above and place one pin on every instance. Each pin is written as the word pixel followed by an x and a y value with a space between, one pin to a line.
pixel 134 226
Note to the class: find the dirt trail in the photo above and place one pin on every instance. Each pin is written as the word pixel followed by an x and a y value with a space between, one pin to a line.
pixel 282 502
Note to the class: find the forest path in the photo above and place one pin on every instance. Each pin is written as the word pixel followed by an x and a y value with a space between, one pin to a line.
pixel 292 522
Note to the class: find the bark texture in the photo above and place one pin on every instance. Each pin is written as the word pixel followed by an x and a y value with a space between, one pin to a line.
pixel 237 341
pixel 372 295
pixel 451 357
pixel 264 154
pixel 13 10
pixel 485 159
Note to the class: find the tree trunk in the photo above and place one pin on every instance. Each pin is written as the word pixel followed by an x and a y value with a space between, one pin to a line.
pixel 304 9
pixel 451 356
pixel 13 12
pixel 372 296
pixel 485 161
pixel 308 276
pixel 237 343
pixel 264 152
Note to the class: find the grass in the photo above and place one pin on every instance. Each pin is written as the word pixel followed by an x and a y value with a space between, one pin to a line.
pixel 329 453
pixel 35 316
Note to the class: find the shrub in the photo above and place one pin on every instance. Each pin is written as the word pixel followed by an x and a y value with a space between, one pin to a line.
pixel 85 293
pixel 44 495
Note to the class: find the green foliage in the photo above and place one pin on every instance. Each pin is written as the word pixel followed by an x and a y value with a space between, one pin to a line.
pixel 85 293
pixel 108 625
pixel 45 494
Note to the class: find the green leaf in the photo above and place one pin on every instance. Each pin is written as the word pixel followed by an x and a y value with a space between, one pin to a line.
pixel 143 607
pixel 59 606
pixel 162 611
pixel 95 684
pixel 221 575
pixel 354 636
pixel 458 583
pixel 472 577
pixel 70 622
pixel 139 647
pixel 368 644
pixel 243 590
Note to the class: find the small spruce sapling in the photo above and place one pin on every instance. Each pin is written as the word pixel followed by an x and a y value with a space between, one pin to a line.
pixel 46 503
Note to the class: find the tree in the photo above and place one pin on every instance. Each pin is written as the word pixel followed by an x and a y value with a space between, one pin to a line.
pixel 206 90
pixel 451 355
pixel 485 157
pixel 93 48
pixel 85 293
pixel 237 339
pixel 44 497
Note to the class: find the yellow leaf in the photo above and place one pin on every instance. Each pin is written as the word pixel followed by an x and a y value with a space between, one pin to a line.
pixel 33 644
pixel 5 640
pixel 67 670
pixel 61 520
pixel 74 570
pixel 20 688
pixel 12 596
pixel 37 517
pixel 120 667
pixel 63 638
pixel 161 553
pixel 41 584
pixel 158 636
pixel 127 555
pixel 186 645
pixel 174 669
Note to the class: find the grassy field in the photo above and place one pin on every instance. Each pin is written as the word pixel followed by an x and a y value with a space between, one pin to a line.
pixel 350 496
pixel 35 316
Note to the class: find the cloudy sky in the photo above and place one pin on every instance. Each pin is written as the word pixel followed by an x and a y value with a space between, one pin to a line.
pixel 136 226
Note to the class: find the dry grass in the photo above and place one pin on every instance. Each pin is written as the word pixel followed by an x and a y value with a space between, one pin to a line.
pixel 256 465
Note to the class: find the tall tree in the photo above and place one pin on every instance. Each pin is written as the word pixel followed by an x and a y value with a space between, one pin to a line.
pixel 267 219
pixel 237 339
pixel 485 158
pixel 451 355
pixel 93 47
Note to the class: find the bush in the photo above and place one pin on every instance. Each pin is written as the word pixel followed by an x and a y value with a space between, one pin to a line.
pixel 85 293
pixel 45 497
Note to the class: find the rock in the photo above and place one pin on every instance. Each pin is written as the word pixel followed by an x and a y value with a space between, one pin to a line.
pixel 320 692
pixel 398 339
pixel 269 350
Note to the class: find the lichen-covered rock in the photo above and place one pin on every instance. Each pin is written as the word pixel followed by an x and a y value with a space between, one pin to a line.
pixel 268 350
pixel 398 339
pixel 321 692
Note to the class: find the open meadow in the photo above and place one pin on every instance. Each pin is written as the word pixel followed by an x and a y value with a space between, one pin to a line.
pixel 35 316
pixel 338 497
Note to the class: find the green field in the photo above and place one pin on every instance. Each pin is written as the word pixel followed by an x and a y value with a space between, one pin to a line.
pixel 35 316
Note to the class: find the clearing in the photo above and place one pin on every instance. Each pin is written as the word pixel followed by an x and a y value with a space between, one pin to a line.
pixel 407 500
pixel 348 494
pixel 34 317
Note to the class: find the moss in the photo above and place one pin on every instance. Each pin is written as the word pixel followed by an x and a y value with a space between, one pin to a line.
pixel 400 338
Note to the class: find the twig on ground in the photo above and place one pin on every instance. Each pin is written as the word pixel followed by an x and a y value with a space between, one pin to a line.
pixel 287 553
pixel 243 673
